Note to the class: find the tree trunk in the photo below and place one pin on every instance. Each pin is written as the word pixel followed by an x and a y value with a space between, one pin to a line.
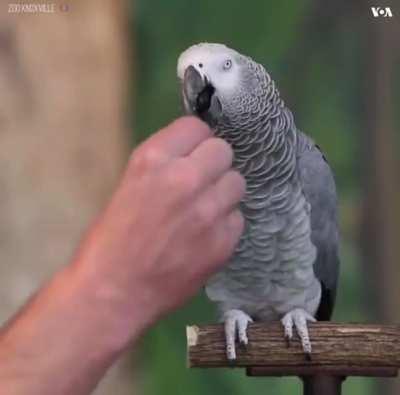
pixel 381 212
pixel 63 140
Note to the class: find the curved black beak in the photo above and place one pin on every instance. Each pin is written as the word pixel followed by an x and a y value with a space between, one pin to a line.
pixel 198 91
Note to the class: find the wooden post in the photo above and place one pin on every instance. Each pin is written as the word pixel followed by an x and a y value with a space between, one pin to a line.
pixel 339 351
pixel 320 384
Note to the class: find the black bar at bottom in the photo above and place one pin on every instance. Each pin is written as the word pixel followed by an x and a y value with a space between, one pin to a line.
pixel 322 385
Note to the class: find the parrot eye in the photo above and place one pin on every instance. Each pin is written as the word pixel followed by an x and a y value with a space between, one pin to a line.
pixel 227 64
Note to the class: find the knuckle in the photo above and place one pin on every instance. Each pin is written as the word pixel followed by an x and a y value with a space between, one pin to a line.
pixel 147 158
pixel 232 186
pixel 222 147
pixel 237 178
pixel 206 213
pixel 184 177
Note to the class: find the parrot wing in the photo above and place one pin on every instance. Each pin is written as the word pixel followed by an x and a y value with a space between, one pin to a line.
pixel 320 191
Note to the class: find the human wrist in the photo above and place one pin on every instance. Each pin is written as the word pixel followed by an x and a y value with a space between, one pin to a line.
pixel 124 307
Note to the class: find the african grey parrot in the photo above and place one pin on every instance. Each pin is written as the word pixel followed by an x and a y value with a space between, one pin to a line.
pixel 286 263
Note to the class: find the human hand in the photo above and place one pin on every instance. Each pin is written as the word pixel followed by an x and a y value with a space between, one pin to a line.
pixel 172 222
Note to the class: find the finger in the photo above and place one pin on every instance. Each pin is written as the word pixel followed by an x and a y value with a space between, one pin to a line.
pixel 228 191
pixel 180 137
pixel 221 242
pixel 227 235
pixel 213 157
pixel 220 198
pixel 234 227
pixel 214 205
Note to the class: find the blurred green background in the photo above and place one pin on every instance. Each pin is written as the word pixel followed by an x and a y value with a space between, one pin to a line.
pixel 65 142
pixel 321 57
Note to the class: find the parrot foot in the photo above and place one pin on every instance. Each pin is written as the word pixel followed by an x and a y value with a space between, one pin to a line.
pixel 236 322
pixel 298 318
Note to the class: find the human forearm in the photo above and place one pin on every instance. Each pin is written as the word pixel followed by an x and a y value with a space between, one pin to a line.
pixel 172 221
pixel 64 340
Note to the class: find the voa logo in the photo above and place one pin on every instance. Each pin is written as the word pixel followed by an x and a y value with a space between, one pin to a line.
pixel 384 12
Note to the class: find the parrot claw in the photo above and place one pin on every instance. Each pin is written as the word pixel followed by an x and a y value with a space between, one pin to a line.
pixel 298 318
pixel 236 322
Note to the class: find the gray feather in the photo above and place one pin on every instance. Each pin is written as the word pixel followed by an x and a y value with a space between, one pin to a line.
pixel 320 191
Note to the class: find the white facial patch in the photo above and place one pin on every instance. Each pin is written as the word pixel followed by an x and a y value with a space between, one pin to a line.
pixel 216 62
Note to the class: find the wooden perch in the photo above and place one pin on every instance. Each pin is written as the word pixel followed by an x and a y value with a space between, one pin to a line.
pixel 338 350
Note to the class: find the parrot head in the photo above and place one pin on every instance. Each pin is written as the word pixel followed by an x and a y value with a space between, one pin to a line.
pixel 219 82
